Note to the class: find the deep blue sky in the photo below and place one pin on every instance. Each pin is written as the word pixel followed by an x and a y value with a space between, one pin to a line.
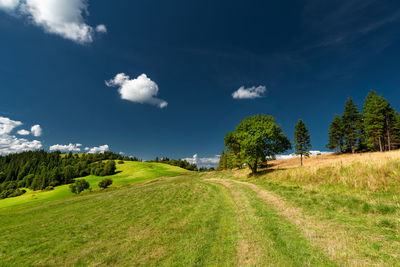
pixel 310 55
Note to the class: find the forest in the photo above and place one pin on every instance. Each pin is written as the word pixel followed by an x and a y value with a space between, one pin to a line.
pixel 39 170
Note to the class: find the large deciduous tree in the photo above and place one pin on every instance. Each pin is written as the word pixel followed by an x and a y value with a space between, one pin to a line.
pixel 258 138
pixel 302 140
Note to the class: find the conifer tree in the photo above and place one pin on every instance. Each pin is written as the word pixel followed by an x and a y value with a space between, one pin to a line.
pixel 374 119
pixel 336 134
pixel 351 121
pixel 302 140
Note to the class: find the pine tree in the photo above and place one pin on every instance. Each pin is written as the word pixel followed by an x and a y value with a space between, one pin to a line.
pixel 336 134
pixel 302 140
pixel 222 162
pixel 374 119
pixel 351 121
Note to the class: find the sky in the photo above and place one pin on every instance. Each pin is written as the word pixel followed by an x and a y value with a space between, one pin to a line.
pixel 170 78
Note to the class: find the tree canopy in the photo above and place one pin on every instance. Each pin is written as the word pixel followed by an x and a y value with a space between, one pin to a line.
pixel 256 139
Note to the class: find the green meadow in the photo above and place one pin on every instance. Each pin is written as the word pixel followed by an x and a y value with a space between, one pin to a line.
pixel 159 215
pixel 130 172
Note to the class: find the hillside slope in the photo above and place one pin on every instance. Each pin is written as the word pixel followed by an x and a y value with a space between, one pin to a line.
pixel 312 216
pixel 130 172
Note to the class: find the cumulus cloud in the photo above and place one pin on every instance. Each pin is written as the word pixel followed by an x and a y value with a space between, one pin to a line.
pixel 9 4
pixel 36 130
pixel 7 125
pixel 66 148
pixel 23 132
pixel 204 162
pixel 9 143
pixel 98 149
pixel 312 153
pixel 140 90
pixel 249 93
pixel 65 18
pixel 101 28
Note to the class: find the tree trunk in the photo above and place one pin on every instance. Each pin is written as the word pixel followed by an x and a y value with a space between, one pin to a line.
pixel 353 150
pixel 380 145
pixel 388 134
pixel 301 159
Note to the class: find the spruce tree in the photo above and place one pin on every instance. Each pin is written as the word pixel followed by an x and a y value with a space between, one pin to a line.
pixel 351 120
pixel 302 140
pixel 336 134
pixel 374 120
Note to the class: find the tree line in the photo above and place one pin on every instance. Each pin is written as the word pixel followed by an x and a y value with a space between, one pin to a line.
pixel 39 170
pixel 257 139
pixel 184 164
pixel 376 127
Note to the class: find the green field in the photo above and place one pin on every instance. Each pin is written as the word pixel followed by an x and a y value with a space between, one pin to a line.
pixel 127 173
pixel 206 219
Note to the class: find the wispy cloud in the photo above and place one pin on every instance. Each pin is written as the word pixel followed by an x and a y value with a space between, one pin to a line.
pixel 66 148
pixel 98 149
pixel 204 162
pixel 250 92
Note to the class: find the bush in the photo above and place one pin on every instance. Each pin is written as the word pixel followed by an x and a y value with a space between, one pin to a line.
pixel 121 162
pixel 79 186
pixel 49 188
pixel 105 183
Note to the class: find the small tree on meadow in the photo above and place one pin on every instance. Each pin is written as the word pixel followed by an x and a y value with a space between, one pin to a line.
pixel 302 140
pixel 105 183
pixel 79 186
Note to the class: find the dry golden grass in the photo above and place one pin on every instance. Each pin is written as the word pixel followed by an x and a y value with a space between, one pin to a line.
pixel 378 172
pixel 334 159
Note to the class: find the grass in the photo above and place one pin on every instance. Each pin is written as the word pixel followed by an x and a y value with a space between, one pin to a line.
pixel 129 172
pixel 333 213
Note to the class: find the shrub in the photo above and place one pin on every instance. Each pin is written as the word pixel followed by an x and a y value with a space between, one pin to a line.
pixel 49 188
pixel 121 162
pixel 105 183
pixel 79 186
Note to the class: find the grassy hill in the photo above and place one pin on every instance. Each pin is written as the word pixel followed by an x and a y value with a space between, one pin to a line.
pixel 343 212
pixel 130 172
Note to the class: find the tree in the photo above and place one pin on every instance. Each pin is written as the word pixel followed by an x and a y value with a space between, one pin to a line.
pixel 374 120
pixel 109 168
pixel 351 120
pixel 222 162
pixel 105 183
pixel 79 186
pixel 302 140
pixel 336 134
pixel 259 138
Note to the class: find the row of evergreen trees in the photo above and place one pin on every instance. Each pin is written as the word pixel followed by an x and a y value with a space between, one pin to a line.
pixel 374 128
pixel 184 164
pixel 40 169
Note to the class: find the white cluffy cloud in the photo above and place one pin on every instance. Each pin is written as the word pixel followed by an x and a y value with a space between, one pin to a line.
pixel 9 4
pixel 140 90
pixel 66 148
pixel 61 17
pixel 204 162
pixel 101 28
pixel 312 153
pixel 9 143
pixel 36 130
pixel 23 132
pixel 98 149
pixel 249 93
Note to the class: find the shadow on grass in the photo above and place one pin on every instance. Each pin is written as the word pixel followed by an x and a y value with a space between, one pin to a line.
pixel 264 172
